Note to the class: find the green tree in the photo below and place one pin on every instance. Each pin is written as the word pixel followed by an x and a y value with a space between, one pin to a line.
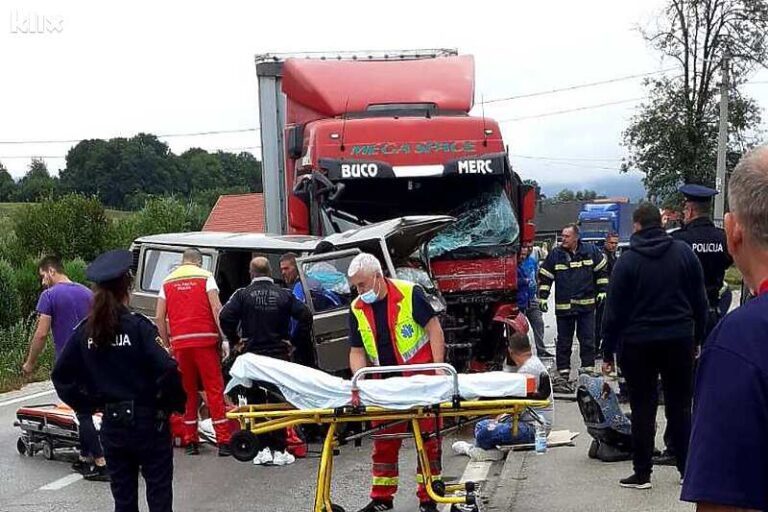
pixel 673 136
pixel 37 184
pixel 565 196
pixel 7 185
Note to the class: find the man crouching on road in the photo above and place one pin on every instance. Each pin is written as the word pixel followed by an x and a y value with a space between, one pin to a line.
pixel 392 323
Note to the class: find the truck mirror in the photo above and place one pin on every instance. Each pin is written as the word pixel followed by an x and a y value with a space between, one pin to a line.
pixel 295 142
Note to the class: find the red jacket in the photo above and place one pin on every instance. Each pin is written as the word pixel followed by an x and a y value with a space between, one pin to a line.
pixel 189 312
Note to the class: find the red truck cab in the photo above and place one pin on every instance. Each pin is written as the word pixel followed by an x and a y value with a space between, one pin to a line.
pixel 368 140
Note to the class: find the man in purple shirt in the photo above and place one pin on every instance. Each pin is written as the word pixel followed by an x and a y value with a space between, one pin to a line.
pixel 62 305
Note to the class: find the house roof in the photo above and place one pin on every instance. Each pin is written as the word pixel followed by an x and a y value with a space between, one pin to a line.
pixel 237 213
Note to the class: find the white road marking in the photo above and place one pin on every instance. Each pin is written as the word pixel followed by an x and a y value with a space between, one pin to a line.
pixel 476 471
pixel 27 397
pixel 62 482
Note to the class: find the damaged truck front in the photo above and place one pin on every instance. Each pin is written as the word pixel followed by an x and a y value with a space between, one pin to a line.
pixel 366 140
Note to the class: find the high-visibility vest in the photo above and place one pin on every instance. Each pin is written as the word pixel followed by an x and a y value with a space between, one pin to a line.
pixel 189 312
pixel 411 342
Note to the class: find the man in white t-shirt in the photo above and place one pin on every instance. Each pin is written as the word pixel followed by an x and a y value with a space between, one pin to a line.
pixel 189 301
pixel 491 433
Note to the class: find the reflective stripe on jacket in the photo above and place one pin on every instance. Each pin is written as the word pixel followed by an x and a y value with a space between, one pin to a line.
pixel 411 342
pixel 578 278
pixel 190 317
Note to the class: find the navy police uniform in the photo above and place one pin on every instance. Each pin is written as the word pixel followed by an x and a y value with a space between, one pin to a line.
pixel 136 384
pixel 709 244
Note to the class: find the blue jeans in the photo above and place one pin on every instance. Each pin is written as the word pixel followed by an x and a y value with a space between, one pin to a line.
pixel 490 433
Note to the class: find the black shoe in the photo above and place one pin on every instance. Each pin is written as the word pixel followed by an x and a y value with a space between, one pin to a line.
pixel 81 466
pixel 224 450
pixel 193 449
pixel 636 482
pixel 561 385
pixel 377 506
pixel 664 459
pixel 427 506
pixel 97 474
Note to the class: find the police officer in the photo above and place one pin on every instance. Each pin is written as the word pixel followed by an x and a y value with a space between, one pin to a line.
pixel 115 362
pixel 708 243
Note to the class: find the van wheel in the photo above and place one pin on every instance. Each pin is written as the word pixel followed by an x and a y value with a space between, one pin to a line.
pixel 21 446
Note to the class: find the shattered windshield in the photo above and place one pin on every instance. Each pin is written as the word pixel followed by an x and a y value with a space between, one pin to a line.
pixel 486 220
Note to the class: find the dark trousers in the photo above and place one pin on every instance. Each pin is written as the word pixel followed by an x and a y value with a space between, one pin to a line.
pixel 642 363
pixel 583 324
pixel 266 393
pixel 146 448
pixel 90 446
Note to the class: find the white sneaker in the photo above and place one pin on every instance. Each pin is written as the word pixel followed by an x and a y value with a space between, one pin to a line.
pixel 283 459
pixel 461 447
pixel 263 457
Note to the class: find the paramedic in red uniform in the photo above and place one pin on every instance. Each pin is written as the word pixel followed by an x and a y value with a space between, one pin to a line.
pixel 189 300
pixel 392 323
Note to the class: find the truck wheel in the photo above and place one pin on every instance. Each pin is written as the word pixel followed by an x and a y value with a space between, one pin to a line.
pixel 244 445
pixel 21 446
pixel 48 451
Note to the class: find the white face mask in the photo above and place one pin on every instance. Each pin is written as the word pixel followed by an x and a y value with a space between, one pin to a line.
pixel 371 295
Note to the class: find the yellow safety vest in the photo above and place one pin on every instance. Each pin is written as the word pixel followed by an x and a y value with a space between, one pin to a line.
pixel 410 337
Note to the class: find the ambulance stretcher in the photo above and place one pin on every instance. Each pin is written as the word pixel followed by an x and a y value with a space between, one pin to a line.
pixel 48 428
pixel 313 397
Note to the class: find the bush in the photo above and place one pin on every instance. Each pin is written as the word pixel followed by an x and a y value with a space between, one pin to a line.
pixel 9 297
pixel 75 270
pixel 14 343
pixel 11 250
pixel 74 226
pixel 28 286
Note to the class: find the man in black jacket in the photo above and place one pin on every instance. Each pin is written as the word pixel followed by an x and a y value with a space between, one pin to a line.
pixel 656 308
pixel 263 311
pixel 257 319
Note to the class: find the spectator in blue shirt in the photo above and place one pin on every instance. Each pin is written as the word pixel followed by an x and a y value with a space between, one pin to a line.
pixel 527 296
pixel 727 466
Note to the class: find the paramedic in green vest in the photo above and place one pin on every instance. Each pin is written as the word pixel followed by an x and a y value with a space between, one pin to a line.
pixel 392 324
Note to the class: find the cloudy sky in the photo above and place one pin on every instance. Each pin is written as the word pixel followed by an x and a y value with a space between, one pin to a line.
pixel 100 70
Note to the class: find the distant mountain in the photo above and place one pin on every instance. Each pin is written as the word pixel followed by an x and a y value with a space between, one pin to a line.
pixel 627 185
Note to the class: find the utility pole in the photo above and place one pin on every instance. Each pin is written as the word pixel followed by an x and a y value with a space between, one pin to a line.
pixel 722 145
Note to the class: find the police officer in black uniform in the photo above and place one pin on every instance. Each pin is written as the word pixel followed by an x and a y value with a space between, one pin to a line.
pixel 115 363
pixel 708 243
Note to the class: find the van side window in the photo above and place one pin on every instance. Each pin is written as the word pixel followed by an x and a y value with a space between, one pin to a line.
pixel 158 264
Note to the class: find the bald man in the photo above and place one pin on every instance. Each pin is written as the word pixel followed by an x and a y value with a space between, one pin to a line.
pixel 263 311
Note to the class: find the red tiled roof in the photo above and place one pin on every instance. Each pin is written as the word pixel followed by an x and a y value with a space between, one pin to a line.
pixel 240 213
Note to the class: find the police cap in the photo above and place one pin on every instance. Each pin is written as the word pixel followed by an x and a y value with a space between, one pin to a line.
pixel 109 265
pixel 697 193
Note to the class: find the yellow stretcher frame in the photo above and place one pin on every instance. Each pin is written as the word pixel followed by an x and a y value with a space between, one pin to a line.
pixel 261 419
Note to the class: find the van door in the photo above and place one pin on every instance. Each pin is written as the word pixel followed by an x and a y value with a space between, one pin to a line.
pixel 328 295
pixel 155 263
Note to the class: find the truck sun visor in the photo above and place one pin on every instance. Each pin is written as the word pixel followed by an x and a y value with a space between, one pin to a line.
pixel 485 220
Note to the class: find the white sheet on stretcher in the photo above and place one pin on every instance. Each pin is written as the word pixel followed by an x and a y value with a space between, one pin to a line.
pixel 307 388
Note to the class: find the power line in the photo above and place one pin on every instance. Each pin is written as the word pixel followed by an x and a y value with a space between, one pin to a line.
pixel 575 87
pixel 566 159
pixel 163 135
pixel 567 111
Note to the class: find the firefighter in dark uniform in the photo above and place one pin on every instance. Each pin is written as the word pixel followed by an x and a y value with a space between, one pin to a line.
pixel 115 362
pixel 709 244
